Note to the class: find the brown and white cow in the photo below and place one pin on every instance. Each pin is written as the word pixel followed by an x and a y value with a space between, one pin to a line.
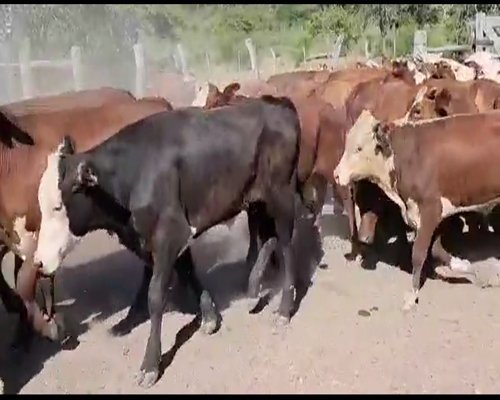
pixel 21 167
pixel 430 170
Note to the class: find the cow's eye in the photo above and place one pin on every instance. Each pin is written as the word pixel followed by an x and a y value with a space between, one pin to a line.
pixel 58 208
pixel 358 149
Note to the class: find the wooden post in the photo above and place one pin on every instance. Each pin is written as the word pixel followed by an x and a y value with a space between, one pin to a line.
pixel 207 59
pixel 419 44
pixel 336 50
pixel 24 66
pixel 274 59
pixel 304 56
pixel 480 27
pixel 253 56
pixel 367 52
pixel 239 61
pixel 76 61
pixel 6 94
pixel 394 34
pixel 182 59
pixel 140 72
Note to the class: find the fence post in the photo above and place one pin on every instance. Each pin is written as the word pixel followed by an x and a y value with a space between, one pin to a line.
pixel 274 59
pixel 253 56
pixel 182 59
pixel 304 58
pixel 140 73
pixel 76 61
pixel 419 44
pixel 239 61
pixel 480 28
pixel 207 59
pixel 336 50
pixel 367 52
pixel 6 95
pixel 25 69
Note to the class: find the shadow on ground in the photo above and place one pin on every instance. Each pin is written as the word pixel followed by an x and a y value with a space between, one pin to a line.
pixel 107 285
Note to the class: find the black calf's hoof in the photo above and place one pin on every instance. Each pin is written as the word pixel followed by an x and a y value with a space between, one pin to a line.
pixel 147 379
pixel 351 256
pixel 210 317
pixel 281 321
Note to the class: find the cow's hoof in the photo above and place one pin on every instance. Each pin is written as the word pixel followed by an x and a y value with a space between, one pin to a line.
pixel 209 327
pixel 410 302
pixel 281 320
pixel 147 379
pixel 211 317
pixel 351 256
pixel 253 303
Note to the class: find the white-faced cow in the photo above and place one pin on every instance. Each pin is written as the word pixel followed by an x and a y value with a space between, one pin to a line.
pixel 430 169
pixel 163 181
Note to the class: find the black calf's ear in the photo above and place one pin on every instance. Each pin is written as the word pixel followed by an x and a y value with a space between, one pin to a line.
pixel 68 146
pixel 85 177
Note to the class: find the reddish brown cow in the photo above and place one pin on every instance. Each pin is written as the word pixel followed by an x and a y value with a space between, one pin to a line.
pixel 341 84
pixel 322 143
pixel 21 168
pixel 298 82
pixel 68 101
pixel 390 102
pixel 446 97
pixel 441 169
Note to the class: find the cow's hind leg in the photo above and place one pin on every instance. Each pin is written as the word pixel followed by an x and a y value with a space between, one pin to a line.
pixel 10 301
pixel 171 236
pixel 348 200
pixel 282 208
pixel 138 312
pixel 430 214
pixel 210 316
pixel 253 231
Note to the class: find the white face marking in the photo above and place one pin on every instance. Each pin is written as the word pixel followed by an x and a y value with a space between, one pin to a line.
pixel 201 95
pixel 27 240
pixel 359 149
pixel 55 239
pixel 361 161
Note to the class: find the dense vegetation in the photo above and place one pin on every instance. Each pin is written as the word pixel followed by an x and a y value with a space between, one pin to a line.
pixel 107 30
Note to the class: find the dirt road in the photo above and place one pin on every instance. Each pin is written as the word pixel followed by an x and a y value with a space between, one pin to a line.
pixel 349 335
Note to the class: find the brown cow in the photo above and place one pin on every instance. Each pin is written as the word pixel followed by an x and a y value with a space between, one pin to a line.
pixel 322 143
pixel 19 179
pixel 341 84
pixel 430 169
pixel 68 101
pixel 446 97
pixel 298 82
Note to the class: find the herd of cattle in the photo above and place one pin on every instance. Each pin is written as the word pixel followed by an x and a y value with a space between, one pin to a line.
pixel 411 141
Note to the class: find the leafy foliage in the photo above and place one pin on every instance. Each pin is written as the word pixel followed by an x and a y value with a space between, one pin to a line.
pixel 220 29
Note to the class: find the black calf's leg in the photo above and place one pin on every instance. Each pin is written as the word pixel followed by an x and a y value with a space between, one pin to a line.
pixel 9 299
pixel 171 236
pixel 282 208
pixel 253 230
pixel 210 316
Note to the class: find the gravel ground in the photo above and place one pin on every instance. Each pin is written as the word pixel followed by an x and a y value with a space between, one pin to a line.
pixel 348 336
